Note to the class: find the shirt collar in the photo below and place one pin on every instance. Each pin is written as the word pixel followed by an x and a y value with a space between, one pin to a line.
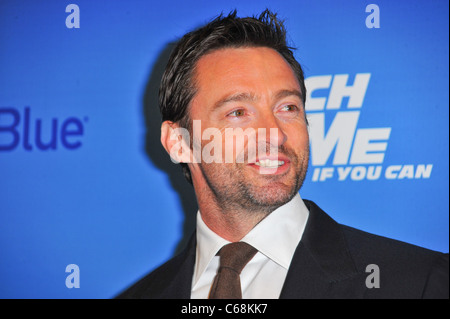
pixel 276 236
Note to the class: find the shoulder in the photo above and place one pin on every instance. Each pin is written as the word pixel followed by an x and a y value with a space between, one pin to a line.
pixel 401 266
pixel 170 280
pixel 405 270
pixel 367 246
pixel 151 284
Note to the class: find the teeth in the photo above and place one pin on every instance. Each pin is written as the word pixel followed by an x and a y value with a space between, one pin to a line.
pixel 269 163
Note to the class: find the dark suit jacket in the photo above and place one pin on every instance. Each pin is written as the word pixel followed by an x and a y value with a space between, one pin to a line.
pixel 329 262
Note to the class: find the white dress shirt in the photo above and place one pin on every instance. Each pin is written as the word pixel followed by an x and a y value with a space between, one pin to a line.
pixel 276 237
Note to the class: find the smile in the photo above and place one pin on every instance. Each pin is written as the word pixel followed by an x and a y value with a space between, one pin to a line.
pixel 274 166
pixel 269 163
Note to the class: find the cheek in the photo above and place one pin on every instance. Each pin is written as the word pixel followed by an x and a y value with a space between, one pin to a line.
pixel 221 148
pixel 232 147
pixel 236 141
pixel 298 138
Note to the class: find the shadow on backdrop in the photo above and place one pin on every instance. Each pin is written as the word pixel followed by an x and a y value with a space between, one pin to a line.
pixel 158 155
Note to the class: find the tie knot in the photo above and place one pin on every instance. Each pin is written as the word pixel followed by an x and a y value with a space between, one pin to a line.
pixel 236 256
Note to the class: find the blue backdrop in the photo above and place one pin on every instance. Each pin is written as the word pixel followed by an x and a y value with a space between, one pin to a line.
pixel 84 180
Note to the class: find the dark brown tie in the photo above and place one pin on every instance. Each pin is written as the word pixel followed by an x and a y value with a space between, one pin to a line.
pixel 233 258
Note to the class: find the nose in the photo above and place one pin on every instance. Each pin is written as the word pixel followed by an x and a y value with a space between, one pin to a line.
pixel 272 132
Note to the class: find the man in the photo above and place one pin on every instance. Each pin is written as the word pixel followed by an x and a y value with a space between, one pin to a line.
pixel 233 80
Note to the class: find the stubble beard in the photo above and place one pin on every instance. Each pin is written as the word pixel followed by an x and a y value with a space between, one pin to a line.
pixel 233 191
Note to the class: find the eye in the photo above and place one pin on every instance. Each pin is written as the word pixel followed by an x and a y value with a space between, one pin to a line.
pixel 237 113
pixel 289 108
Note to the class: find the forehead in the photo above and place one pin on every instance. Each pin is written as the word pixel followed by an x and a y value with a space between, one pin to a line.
pixel 254 70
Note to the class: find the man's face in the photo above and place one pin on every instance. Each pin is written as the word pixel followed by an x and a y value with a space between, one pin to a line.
pixel 251 89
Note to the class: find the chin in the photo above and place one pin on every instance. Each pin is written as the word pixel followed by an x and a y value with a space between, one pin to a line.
pixel 273 195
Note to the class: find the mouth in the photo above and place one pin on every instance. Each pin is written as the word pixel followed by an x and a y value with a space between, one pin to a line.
pixel 274 166
pixel 269 163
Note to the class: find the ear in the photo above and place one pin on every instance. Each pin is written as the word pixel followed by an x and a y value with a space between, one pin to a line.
pixel 176 142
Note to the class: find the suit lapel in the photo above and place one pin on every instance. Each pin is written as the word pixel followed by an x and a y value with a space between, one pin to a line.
pixel 321 266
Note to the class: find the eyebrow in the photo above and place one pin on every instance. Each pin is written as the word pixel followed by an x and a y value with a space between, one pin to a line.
pixel 238 97
pixel 285 93
pixel 251 97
